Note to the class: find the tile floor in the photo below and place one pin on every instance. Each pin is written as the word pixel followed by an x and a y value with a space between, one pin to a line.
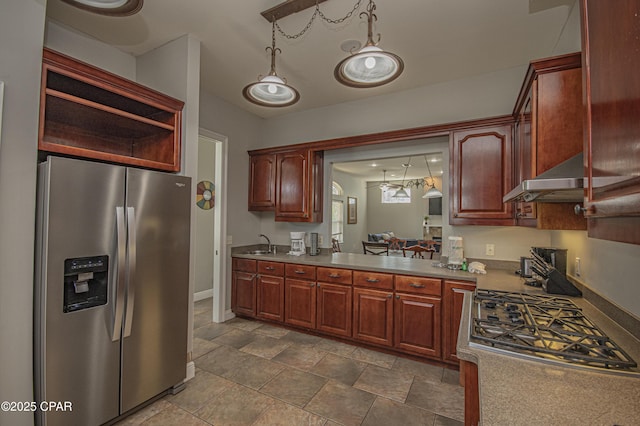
pixel 251 373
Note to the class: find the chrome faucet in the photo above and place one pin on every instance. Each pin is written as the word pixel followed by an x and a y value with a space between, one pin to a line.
pixel 268 242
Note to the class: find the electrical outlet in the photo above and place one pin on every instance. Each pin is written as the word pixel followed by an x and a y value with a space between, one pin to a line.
pixel 490 250
pixel 320 240
pixel 229 239
pixel 578 271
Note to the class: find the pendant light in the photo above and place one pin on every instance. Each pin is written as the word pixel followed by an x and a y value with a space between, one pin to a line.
pixel 271 90
pixel 402 193
pixel 108 7
pixel 370 66
pixel 432 192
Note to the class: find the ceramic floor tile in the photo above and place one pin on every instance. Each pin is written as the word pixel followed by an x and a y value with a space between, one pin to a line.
pixel 254 372
pixel 235 338
pixel 211 331
pixel 384 382
pixel 281 414
pixel 451 376
pixel 243 324
pixel 341 403
pixel 334 347
pixel 173 415
pixel 294 386
pixel 201 319
pixel 440 398
pixel 265 347
pixel 203 305
pixel 222 360
pixel 385 412
pixel 201 347
pixel 373 357
pixel 345 370
pixel 301 357
pixel 144 414
pixel 271 331
pixel 445 421
pixel 300 339
pixel 433 372
pixel 202 388
pixel 238 406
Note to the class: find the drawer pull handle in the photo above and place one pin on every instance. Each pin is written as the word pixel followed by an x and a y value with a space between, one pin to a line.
pixel 414 285
pixel 270 268
pixel 334 275
pixel 312 284
pixel 373 280
pixel 297 271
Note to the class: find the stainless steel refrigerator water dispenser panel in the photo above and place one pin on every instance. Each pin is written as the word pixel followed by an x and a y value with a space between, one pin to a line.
pixel 86 283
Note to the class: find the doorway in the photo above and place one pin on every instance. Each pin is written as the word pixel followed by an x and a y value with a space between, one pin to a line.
pixel 210 254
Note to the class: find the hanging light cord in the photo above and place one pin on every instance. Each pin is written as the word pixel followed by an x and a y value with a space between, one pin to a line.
pixel 429 169
pixel 322 16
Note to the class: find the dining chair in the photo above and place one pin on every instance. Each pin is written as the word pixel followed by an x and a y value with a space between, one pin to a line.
pixel 380 249
pixel 335 244
pixel 396 243
pixel 418 251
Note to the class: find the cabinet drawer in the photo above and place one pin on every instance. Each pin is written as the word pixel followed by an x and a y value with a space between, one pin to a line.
pixel 303 272
pixel 373 280
pixel 421 285
pixel 244 265
pixel 334 275
pixel 270 268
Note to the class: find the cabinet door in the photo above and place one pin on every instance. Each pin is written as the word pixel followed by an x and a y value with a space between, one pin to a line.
pixel 481 173
pixel 451 315
pixel 262 182
pixel 334 309
pixel 612 143
pixel 300 303
pixel 243 296
pixel 373 316
pixel 293 181
pixel 417 324
pixel 270 297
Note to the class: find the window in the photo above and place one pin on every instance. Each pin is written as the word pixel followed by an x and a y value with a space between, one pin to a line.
pixel 336 189
pixel 337 220
pixel 388 196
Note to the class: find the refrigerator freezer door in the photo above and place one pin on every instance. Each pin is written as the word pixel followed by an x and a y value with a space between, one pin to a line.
pixel 75 357
pixel 154 354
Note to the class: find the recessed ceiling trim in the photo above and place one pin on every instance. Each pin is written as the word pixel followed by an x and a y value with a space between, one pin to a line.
pixel 108 7
pixel 287 8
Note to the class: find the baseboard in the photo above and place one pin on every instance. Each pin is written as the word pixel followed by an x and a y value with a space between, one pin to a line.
pixel 191 371
pixel 228 314
pixel 201 295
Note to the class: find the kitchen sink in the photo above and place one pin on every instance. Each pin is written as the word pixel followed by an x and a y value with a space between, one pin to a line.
pixel 257 252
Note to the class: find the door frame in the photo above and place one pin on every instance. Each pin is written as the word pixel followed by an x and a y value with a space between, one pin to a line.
pixel 219 223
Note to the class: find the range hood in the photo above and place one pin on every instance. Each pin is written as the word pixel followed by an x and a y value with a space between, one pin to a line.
pixel 560 184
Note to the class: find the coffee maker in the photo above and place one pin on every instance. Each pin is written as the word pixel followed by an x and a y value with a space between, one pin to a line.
pixel 297 243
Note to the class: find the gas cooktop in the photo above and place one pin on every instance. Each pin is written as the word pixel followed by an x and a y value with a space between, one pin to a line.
pixel 544 326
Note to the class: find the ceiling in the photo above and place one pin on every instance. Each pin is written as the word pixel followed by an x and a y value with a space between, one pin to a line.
pixel 372 170
pixel 439 40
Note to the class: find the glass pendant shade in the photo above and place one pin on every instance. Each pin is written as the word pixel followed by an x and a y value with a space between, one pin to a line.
pixel 271 91
pixel 433 192
pixel 108 7
pixel 370 67
pixel 401 193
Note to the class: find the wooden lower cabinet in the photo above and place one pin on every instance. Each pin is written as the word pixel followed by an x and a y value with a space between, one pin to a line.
pixel 451 315
pixel 300 303
pixel 469 377
pixel 373 316
pixel 417 324
pixel 244 293
pixel 270 297
pixel 334 309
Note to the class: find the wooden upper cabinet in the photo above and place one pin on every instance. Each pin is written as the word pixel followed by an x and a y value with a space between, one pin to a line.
pixel 288 182
pixel 610 34
pixel 548 115
pixel 90 113
pixel 262 182
pixel 481 173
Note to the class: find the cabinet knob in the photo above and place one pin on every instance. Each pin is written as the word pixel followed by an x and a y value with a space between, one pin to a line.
pixel 397 296
pixel 455 215
pixel 312 284
pixel 579 210
pixel 389 296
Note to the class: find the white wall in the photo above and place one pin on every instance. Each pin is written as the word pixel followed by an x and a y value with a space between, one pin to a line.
pixel 204 220
pixel 21 38
pixel 354 234
pixel 403 219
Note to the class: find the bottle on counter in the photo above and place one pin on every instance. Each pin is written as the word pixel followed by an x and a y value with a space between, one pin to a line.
pixel 464 264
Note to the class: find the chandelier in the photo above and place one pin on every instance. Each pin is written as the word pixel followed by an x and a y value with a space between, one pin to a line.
pixel 432 192
pixel 369 67
pixel 108 7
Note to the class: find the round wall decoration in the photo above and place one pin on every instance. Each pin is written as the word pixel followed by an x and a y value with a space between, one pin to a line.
pixel 205 195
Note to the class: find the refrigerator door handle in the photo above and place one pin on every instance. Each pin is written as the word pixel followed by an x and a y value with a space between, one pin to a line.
pixel 121 253
pixel 131 252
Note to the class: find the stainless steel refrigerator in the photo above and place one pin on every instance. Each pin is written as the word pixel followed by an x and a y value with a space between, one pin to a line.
pixel 111 295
